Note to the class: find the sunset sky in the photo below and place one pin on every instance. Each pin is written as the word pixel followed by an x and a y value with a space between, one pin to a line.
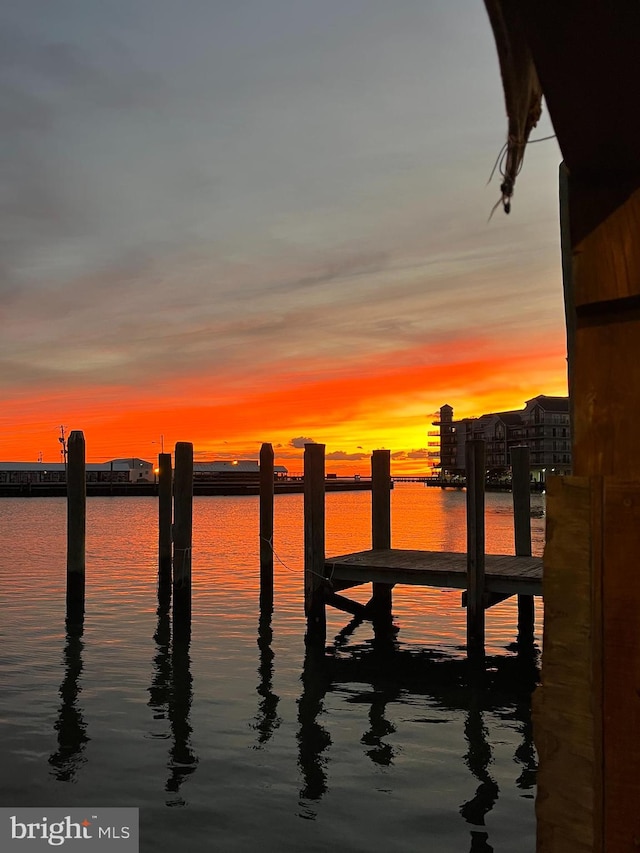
pixel 238 221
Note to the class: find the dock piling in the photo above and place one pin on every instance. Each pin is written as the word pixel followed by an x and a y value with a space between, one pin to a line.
pixel 381 525
pixel 76 526
pixel 266 526
pixel 314 544
pixel 475 470
pixel 521 491
pixel 165 513
pixel 182 531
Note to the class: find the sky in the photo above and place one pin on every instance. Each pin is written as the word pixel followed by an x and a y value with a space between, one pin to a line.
pixel 242 221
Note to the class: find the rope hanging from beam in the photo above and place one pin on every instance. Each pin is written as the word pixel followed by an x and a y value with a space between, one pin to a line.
pixel 522 91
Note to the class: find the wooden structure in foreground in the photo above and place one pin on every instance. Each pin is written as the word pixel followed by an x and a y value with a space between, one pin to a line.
pixel 587 713
pixel 487 579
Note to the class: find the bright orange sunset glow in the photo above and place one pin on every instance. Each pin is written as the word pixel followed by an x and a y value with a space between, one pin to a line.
pixel 353 409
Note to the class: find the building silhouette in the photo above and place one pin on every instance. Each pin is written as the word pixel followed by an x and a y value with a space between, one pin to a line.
pixel 543 426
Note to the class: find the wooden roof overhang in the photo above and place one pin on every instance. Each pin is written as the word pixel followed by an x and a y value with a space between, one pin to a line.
pixel 586 54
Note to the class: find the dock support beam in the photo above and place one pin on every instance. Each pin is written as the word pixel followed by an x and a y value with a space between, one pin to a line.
pixel 314 546
pixel 76 526
pixel 521 493
pixel 182 534
pixel 266 526
pixel 475 468
pixel 165 514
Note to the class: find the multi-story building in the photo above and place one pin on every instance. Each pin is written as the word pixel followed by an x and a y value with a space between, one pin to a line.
pixel 543 425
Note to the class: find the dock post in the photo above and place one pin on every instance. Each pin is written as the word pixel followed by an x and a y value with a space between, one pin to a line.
pixel 266 526
pixel 381 524
pixel 314 545
pixel 475 462
pixel 76 526
pixel 182 533
pixel 521 491
pixel 165 514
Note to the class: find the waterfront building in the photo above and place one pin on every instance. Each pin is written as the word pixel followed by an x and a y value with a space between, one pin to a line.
pixel 116 471
pixel 129 470
pixel 543 425
pixel 237 470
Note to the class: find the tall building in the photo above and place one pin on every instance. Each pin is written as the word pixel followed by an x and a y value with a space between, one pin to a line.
pixel 543 425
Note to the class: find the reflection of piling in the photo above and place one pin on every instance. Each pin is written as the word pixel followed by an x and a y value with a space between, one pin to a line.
pixel 478 760
pixel 525 753
pixel 521 491
pixel 164 526
pixel 267 720
pixel 381 527
pixel 171 695
pixel 182 531
pixel 475 460
pixel 160 689
pixel 314 545
pixel 182 758
pixel 385 690
pixel 266 525
pixel 70 726
pixel 480 842
pixel 76 525
pixel 313 738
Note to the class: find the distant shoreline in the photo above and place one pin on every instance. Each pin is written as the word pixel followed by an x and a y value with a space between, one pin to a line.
pixel 138 490
pixel 146 490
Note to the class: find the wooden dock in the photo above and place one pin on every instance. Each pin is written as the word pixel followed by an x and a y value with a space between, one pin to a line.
pixel 504 573
pixel 485 579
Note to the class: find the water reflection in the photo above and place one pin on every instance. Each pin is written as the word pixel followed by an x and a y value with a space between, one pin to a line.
pixel 313 737
pixel 379 673
pixel 70 726
pixel 171 695
pixel 160 690
pixel 267 719
pixel 525 753
pixel 480 842
pixel 384 647
pixel 478 758
pixel 380 752
pixel 182 758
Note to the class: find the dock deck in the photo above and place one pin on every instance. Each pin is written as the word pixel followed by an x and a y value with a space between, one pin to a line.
pixel 504 574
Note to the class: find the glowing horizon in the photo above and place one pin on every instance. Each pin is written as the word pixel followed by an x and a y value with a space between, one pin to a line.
pixel 352 413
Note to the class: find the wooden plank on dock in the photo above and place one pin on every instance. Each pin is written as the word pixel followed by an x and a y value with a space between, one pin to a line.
pixel 504 573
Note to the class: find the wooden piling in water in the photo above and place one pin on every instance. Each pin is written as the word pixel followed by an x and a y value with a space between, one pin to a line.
pixel 182 530
pixel 475 471
pixel 521 492
pixel 165 519
pixel 314 544
pixel 381 523
pixel 266 525
pixel 76 525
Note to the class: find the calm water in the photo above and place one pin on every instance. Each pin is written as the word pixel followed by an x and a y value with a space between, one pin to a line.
pixel 233 742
